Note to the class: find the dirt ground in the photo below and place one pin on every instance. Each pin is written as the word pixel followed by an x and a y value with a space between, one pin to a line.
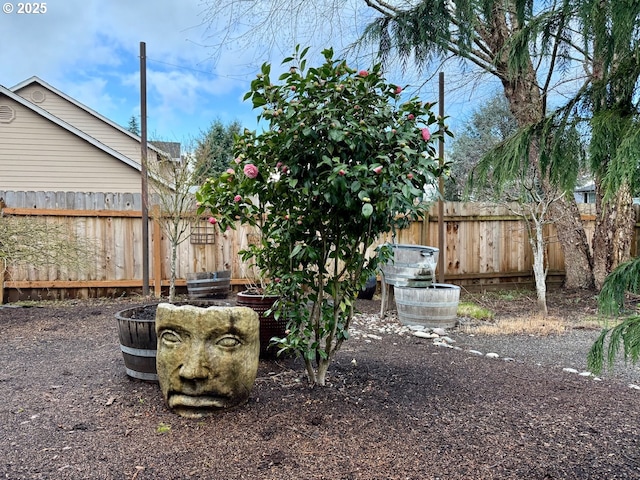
pixel 397 407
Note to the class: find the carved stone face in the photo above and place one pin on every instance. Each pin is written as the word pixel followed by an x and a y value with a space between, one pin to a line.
pixel 207 358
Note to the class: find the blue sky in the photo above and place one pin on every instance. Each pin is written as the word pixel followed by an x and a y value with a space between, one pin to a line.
pixel 90 50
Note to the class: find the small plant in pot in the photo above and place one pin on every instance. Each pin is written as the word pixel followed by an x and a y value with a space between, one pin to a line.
pixel 343 161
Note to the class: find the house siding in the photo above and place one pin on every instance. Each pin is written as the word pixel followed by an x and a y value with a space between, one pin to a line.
pixel 37 154
pixel 85 121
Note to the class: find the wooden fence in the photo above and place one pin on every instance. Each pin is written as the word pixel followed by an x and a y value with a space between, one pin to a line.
pixel 486 246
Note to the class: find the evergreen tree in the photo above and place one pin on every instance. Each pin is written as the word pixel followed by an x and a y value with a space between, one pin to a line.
pixel 133 125
pixel 214 148
pixel 488 126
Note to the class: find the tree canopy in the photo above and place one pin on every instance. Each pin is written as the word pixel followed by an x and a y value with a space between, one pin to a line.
pixel 214 148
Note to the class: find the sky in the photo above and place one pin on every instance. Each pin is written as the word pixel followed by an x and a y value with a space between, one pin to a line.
pixel 90 50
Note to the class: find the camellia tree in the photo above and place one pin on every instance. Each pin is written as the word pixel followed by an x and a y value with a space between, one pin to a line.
pixel 342 161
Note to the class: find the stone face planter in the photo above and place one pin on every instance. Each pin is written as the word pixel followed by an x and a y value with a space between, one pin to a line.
pixel 138 341
pixel 207 357
pixel 269 326
pixel 432 307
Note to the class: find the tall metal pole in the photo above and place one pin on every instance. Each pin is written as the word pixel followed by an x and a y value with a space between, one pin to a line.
pixel 441 185
pixel 143 158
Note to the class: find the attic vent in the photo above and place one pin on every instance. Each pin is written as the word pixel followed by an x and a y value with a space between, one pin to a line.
pixel 7 114
pixel 37 96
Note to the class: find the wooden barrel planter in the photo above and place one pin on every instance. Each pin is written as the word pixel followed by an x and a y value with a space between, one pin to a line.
pixel 138 341
pixel 411 266
pixel 269 326
pixel 209 284
pixel 433 307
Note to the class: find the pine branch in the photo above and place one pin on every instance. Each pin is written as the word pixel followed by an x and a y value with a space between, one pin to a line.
pixel 627 335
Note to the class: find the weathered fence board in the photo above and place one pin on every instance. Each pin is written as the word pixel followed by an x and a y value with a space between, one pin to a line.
pixel 485 245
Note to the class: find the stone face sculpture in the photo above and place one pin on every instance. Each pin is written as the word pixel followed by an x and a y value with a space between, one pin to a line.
pixel 207 358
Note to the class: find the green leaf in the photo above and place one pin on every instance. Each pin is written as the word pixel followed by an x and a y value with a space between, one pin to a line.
pixel 367 210
pixel 336 135
pixel 296 250
pixel 258 100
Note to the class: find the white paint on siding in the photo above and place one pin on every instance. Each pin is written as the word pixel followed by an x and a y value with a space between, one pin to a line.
pixel 37 154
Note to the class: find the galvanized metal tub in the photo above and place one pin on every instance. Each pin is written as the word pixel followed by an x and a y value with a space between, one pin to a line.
pixel 412 266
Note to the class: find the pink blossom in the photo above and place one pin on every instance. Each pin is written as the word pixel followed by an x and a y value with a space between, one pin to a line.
pixel 398 90
pixel 426 134
pixel 237 198
pixel 212 221
pixel 231 171
pixel 410 176
pixel 285 169
pixel 237 159
pixel 378 169
pixel 411 116
pixel 363 73
pixel 278 165
pixel 250 170
pixel 341 172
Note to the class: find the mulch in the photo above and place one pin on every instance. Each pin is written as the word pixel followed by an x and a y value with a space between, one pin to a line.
pixel 395 408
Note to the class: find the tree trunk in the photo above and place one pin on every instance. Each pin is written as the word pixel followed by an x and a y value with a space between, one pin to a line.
pixel 539 271
pixel 573 241
pixel 526 106
pixel 615 222
pixel 172 279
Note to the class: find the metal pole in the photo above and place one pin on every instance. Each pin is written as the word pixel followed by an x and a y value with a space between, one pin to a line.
pixel 441 245
pixel 143 158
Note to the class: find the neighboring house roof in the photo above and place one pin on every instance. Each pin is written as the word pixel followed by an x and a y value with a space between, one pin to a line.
pixel 36 80
pixel 589 187
pixel 172 148
pixel 70 128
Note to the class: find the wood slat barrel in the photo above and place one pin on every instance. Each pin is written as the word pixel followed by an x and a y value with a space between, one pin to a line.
pixel 138 341
pixel 209 284
pixel 432 307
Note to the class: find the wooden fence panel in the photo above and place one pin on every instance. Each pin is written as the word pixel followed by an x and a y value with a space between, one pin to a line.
pixel 485 245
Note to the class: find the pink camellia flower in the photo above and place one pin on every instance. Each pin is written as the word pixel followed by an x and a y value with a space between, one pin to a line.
pixel 410 176
pixel 378 169
pixel 285 169
pixel 411 116
pixel 278 165
pixel 398 90
pixel 237 198
pixel 237 159
pixel 426 134
pixel 341 172
pixel 250 170
pixel 363 73
pixel 212 221
pixel 231 171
